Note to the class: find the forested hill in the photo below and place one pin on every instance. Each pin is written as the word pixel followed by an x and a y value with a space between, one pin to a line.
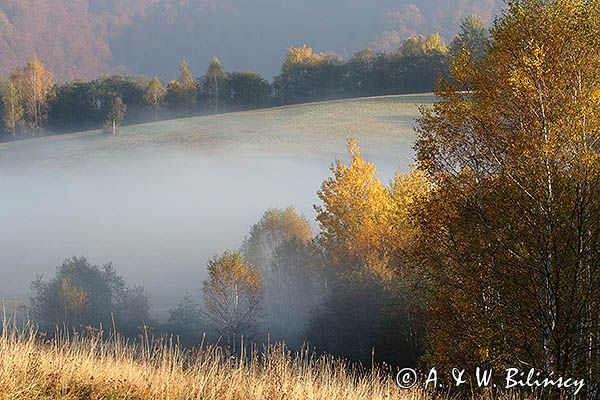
pixel 88 38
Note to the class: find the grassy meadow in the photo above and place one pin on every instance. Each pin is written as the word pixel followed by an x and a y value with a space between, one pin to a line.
pixel 384 125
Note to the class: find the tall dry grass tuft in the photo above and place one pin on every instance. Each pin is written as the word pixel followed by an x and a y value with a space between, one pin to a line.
pixel 87 367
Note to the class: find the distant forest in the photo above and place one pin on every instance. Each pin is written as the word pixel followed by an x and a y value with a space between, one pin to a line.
pixel 33 105
pixel 85 39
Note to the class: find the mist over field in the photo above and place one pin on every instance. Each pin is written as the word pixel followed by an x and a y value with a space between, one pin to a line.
pixel 159 199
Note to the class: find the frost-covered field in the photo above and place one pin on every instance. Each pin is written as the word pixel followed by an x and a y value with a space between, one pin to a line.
pixel 158 199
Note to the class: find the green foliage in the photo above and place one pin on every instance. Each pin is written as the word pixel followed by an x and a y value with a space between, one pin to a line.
pixel 82 295
pixel 413 68
pixel 81 105
pixel 248 90
pixel 115 115
pixel 305 77
pixel 77 106
pixel 472 39
pixel 185 321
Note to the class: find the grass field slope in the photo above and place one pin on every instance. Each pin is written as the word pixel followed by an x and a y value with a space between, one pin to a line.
pixel 384 125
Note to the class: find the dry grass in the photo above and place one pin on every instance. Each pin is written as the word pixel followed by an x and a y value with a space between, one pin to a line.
pixel 88 368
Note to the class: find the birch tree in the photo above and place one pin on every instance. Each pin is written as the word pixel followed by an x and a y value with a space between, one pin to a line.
pixel 37 89
pixel 12 97
pixel 232 297
pixel 511 233
pixel 155 95
pixel 214 81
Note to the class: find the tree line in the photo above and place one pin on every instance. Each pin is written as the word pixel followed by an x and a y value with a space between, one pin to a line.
pixel 32 104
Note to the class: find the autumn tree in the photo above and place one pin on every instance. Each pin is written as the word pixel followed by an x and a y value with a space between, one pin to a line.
pixel 155 95
pixel 188 88
pixel 511 232
pixel 12 99
pixel 233 297
pixel 299 80
pixel 355 217
pixel 213 84
pixel 275 227
pixel 299 56
pixel 278 246
pixel 367 236
pixel 37 89
pixel 182 94
pixel 416 45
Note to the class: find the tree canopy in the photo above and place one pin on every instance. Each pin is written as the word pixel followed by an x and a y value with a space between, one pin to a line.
pixel 510 234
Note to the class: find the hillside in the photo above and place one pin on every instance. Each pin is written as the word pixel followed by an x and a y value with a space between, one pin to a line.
pixel 87 38
pixel 317 130
pixel 167 195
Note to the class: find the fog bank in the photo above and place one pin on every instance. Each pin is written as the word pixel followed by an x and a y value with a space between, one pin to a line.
pixel 159 211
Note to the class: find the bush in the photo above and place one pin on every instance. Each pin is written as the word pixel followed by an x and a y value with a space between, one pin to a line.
pixel 82 295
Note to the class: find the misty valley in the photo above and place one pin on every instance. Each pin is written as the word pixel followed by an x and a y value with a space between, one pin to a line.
pixel 339 200
pixel 158 200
